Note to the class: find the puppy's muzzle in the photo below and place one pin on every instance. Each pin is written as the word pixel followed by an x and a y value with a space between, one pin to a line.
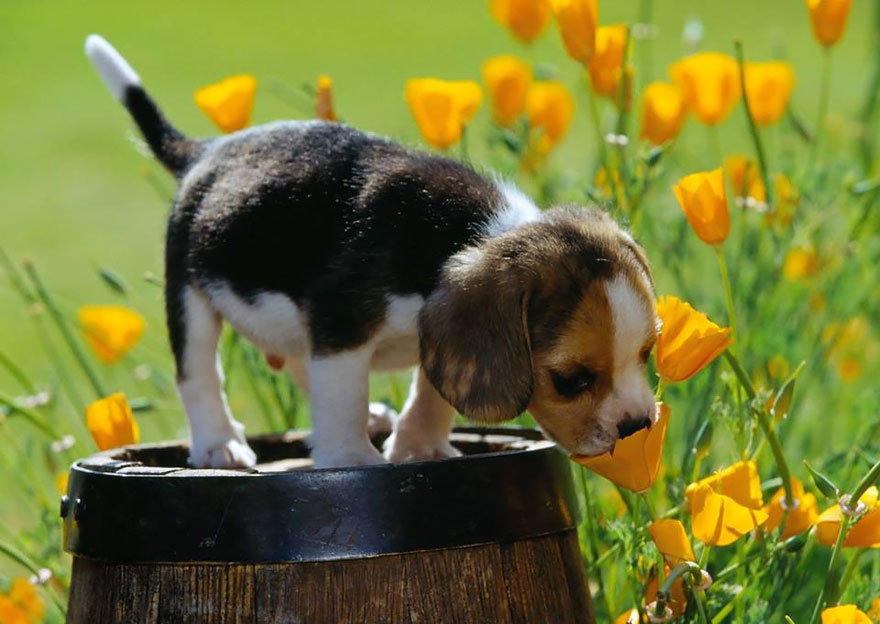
pixel 630 425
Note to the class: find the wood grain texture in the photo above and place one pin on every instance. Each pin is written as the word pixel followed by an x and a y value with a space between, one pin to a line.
pixel 531 581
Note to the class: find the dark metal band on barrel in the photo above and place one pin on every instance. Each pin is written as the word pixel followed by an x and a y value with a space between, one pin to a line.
pixel 122 507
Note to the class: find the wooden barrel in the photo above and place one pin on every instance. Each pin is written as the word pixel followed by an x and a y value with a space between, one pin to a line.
pixel 488 537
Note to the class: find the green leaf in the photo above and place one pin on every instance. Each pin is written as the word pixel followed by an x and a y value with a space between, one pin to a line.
pixel 114 281
pixel 782 401
pixel 823 483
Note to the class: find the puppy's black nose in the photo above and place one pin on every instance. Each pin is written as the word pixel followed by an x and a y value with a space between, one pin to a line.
pixel 629 426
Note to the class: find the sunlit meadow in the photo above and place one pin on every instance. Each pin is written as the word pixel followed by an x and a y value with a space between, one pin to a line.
pixel 737 143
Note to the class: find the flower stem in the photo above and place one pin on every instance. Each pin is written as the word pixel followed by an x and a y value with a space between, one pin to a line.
pixel 764 422
pixel 728 293
pixel 603 150
pixel 851 567
pixel 15 371
pixel 866 482
pixel 55 313
pixel 824 89
pixel 31 416
pixel 830 585
pixel 753 128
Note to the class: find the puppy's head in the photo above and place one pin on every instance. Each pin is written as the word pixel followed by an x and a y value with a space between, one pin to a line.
pixel 556 317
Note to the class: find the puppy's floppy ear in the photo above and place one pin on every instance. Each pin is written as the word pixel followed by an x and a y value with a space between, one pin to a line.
pixel 473 336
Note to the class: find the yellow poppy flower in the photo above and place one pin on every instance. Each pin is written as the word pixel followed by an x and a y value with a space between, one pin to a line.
pixel 229 102
pixel 828 18
pixel 800 264
pixel 739 481
pixel 526 19
pixel 324 99
pixel 663 112
pixel 710 84
pixel 634 462
pixel 507 80
pixel 12 613
pixel 704 202
pixel 550 108
pixel 672 541
pixel 718 520
pixel 577 21
pixel 863 534
pixel 844 614
pixel 688 340
pixel 442 108
pixel 25 595
pixel 111 422
pixel 628 617
pixel 768 87
pixel 800 517
pixel 606 63
pixel 110 330
pixel 745 178
pixel 874 611
pixel 61 482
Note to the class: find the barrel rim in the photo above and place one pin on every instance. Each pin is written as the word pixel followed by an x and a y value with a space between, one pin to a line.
pixel 318 514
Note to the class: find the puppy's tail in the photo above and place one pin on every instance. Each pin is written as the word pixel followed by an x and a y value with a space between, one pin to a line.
pixel 171 147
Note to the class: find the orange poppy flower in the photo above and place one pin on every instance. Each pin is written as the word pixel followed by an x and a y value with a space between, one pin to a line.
pixel 442 108
pixel 663 112
pixel 704 201
pixel 719 520
pixel 672 541
pixel 634 462
pixel 577 21
pixel 111 422
pixel 526 19
pixel 111 330
pixel 229 102
pixel 828 18
pixel 768 87
pixel 688 340
pixel 507 80
pixel 800 517
pixel 863 534
pixel 710 84
pixel 739 481
pixel 550 108
pixel 605 66
pixel 324 99
pixel 844 614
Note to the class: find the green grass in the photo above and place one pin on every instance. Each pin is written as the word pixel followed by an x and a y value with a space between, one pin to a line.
pixel 77 196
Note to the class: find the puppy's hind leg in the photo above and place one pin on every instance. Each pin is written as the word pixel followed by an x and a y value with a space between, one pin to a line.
pixel 216 438
pixel 422 431
pixel 339 385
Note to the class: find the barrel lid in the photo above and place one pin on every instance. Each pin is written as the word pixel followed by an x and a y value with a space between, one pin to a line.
pixel 143 504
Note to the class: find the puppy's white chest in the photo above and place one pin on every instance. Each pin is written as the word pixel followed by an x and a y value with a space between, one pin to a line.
pixel 277 325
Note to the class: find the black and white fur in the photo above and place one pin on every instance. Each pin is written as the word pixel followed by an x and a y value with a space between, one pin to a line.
pixel 320 244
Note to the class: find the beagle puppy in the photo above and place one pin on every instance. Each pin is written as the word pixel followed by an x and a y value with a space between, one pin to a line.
pixel 339 252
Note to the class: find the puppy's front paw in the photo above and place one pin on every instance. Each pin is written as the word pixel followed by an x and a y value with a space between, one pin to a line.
pixel 346 457
pixel 225 454
pixel 401 448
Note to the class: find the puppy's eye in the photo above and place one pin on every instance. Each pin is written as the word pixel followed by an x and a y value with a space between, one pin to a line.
pixel 573 384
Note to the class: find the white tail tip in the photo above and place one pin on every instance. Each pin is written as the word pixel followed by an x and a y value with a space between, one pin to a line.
pixel 115 71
